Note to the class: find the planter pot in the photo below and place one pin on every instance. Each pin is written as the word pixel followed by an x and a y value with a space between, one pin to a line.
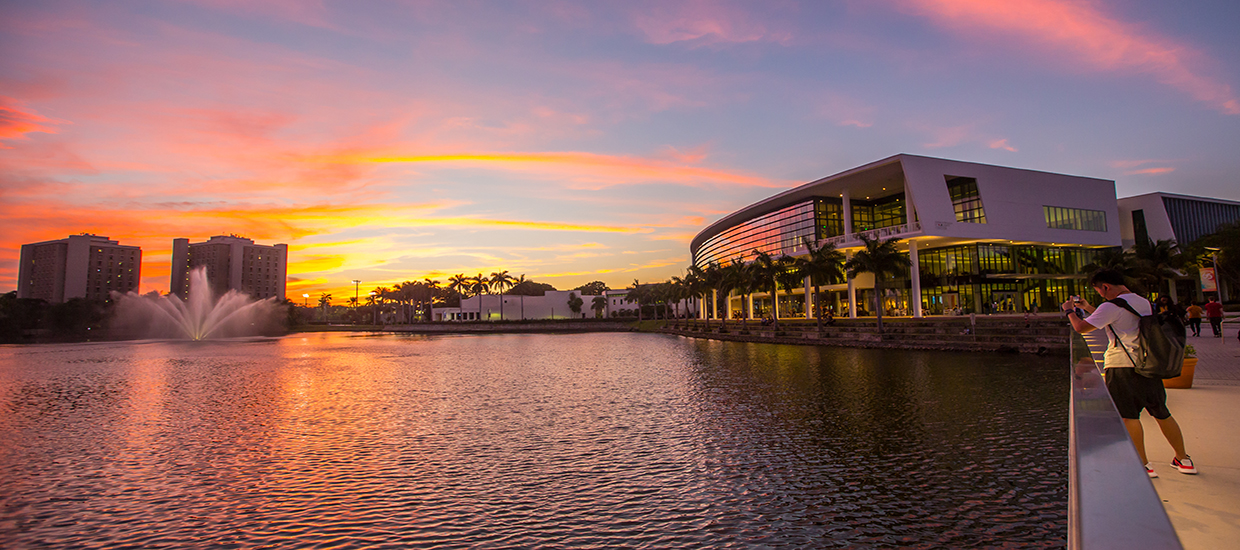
pixel 1185 379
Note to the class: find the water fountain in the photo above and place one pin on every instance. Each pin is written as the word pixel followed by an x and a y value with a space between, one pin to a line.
pixel 200 317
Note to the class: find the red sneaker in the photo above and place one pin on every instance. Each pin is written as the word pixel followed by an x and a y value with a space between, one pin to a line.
pixel 1184 466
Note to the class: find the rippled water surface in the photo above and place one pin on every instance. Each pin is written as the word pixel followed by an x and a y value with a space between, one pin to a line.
pixel 588 440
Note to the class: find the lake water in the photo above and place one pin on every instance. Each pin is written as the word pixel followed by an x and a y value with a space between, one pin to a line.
pixel 518 441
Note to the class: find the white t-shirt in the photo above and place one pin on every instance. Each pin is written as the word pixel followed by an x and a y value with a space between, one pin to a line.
pixel 1125 325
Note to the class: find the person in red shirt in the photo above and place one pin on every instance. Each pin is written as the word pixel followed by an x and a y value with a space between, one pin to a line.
pixel 1214 312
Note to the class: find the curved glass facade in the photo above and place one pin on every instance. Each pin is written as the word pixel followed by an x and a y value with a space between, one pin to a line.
pixel 777 233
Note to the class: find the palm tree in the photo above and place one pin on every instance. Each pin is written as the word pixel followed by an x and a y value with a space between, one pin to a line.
pixel 766 269
pixel 695 283
pixel 324 301
pixel 679 291
pixel 712 276
pixel 744 284
pixel 731 277
pixel 789 277
pixel 637 294
pixel 821 264
pixel 881 258
pixel 1120 260
pixel 502 281
pixel 479 285
pixel 598 304
pixel 1159 262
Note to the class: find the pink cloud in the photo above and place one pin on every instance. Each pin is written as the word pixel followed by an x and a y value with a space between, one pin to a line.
pixel 1001 144
pixel 1088 38
pixel 704 24
pixel 1151 171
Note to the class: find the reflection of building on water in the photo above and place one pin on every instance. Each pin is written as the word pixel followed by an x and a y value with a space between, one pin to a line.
pixel 982 239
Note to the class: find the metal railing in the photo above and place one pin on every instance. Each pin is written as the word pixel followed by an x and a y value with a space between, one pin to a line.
pixel 880 233
pixel 1111 501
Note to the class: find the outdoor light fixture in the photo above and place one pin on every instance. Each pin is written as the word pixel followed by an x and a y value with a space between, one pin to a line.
pixel 306 301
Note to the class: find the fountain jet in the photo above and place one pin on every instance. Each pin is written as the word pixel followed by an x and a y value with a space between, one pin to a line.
pixel 199 317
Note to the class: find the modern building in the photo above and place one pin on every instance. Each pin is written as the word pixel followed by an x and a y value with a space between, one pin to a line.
pixel 80 266
pixel 981 238
pixel 232 263
pixel 1167 216
pixel 1181 218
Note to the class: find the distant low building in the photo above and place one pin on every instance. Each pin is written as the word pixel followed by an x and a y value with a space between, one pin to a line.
pixel 487 307
pixel 232 263
pixel 618 305
pixel 80 266
pixel 1168 216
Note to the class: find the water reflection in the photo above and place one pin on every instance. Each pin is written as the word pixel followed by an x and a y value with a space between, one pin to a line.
pixel 527 440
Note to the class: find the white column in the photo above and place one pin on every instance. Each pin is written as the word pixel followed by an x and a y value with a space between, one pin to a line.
pixel 848 228
pixel 714 302
pixel 749 306
pixel 809 301
pixel 915 273
pixel 852 292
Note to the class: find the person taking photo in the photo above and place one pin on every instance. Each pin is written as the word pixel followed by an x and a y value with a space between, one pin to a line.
pixel 1130 391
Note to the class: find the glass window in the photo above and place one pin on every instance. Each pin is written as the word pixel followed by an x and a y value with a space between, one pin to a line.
pixel 1059 217
pixel 966 200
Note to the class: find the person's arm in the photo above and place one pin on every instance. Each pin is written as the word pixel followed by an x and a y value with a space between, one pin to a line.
pixel 1078 324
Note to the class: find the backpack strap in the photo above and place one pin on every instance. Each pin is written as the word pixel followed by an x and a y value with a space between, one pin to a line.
pixel 1124 304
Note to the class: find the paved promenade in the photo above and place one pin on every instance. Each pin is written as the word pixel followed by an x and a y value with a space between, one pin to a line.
pixel 1205 508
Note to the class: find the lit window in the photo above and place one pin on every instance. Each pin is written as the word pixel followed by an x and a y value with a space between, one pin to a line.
pixel 966 200
pixel 1058 217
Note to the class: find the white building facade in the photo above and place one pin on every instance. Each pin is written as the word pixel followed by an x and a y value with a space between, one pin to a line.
pixel 554 304
pixel 981 238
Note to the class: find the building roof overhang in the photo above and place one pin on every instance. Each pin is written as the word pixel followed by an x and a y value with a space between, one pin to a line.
pixel 866 180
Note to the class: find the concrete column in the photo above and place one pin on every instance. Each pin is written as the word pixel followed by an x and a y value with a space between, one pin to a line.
pixel 848 228
pixel 852 292
pixel 749 306
pixel 1175 299
pixel 915 273
pixel 714 302
pixel 809 300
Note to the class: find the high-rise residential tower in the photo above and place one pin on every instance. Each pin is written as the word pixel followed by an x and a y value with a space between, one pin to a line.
pixel 233 263
pixel 80 266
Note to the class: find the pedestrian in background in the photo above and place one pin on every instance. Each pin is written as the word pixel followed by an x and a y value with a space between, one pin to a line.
pixel 1214 312
pixel 1194 318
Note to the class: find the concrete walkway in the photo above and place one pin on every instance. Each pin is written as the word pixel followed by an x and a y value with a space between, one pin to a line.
pixel 1204 508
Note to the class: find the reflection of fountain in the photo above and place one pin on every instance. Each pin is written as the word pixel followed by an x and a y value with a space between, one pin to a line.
pixel 200 317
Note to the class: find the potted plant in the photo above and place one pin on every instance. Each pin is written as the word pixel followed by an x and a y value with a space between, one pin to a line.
pixel 1185 379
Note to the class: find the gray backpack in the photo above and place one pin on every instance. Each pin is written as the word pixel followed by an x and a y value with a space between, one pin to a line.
pixel 1161 337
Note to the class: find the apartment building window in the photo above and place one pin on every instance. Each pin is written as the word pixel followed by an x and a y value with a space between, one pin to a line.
pixel 1058 217
pixel 966 200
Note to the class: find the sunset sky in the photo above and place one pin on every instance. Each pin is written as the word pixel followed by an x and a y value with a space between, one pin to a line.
pixel 567 141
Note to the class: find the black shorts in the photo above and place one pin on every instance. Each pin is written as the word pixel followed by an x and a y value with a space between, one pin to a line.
pixel 1132 392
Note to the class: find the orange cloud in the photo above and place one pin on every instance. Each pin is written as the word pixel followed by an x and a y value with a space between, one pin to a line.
pixel 16 121
pixel 599 169
pixel 1090 37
